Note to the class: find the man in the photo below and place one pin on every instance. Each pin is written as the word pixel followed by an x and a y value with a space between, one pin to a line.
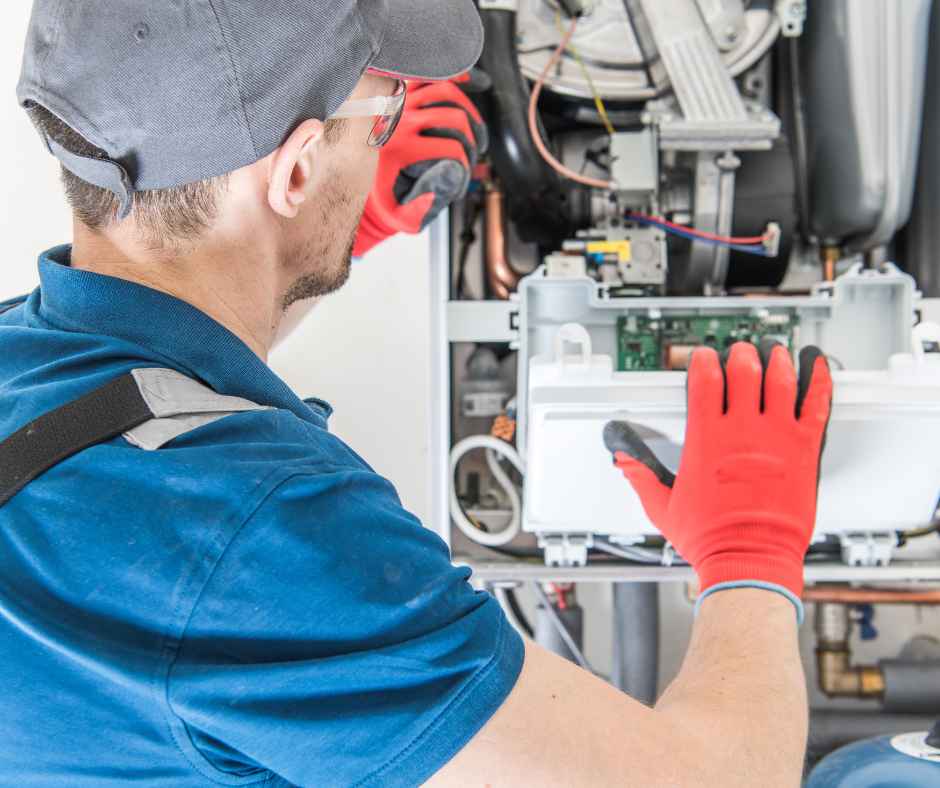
pixel 200 585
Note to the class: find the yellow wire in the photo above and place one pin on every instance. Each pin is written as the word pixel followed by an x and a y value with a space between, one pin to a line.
pixel 598 101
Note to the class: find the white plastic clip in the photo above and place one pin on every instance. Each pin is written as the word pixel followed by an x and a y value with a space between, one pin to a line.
pixel 575 334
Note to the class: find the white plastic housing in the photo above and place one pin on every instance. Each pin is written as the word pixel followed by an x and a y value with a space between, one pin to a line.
pixel 880 470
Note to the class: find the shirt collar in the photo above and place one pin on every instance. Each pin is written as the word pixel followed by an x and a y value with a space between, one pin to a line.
pixel 182 336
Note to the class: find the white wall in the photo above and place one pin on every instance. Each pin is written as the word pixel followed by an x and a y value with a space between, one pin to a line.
pixel 366 350
pixel 33 214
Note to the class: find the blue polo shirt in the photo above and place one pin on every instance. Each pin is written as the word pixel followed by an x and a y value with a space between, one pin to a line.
pixel 249 605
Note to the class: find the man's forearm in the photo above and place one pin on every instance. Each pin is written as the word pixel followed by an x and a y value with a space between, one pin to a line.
pixel 741 691
pixel 736 716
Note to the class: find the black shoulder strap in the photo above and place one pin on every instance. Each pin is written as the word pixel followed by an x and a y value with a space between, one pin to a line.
pixel 102 414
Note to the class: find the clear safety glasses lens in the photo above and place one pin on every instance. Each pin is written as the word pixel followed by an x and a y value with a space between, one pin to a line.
pixel 385 124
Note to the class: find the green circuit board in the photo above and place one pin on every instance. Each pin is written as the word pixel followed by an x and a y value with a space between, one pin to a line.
pixel 647 343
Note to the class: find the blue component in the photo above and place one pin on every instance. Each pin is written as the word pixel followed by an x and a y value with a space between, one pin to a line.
pixel 866 617
pixel 875 763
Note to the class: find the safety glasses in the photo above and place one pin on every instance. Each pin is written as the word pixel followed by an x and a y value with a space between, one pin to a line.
pixel 386 109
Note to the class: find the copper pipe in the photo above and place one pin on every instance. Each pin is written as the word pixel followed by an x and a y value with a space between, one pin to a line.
pixel 847 595
pixel 876 596
pixel 500 274
pixel 830 256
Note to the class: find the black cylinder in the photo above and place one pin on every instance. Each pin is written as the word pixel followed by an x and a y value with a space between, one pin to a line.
pixel 911 687
pixel 830 729
pixel 764 190
pixel 636 640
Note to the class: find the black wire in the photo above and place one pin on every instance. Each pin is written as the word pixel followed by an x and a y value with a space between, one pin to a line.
pixel 904 536
pixel 831 546
pixel 514 552
pixel 815 552
pixel 516 609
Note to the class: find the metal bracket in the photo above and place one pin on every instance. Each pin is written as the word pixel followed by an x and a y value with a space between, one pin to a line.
pixel 482 321
pixel 566 550
pixel 792 15
pixel 711 114
pixel 725 19
pixel 871 549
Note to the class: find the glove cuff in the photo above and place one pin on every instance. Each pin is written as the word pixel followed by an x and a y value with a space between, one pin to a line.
pixel 732 584
pixel 371 233
pixel 779 573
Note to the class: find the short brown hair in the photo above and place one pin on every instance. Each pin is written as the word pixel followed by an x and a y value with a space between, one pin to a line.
pixel 167 216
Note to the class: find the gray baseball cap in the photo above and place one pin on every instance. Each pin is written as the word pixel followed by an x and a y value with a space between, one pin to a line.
pixel 177 91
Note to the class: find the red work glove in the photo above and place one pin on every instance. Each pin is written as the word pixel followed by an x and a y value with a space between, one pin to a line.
pixel 742 508
pixel 426 165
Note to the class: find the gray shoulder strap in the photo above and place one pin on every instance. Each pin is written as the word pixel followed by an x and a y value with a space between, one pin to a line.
pixel 179 405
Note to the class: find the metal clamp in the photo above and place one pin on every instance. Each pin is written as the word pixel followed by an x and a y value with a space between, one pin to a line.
pixel 792 15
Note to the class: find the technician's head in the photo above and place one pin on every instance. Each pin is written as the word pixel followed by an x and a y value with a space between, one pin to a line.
pixel 254 122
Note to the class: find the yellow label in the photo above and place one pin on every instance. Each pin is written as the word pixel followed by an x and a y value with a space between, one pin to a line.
pixel 619 248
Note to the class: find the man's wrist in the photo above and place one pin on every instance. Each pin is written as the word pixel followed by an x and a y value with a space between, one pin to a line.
pixel 731 585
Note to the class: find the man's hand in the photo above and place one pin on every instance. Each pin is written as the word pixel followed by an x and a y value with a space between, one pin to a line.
pixel 742 508
pixel 426 165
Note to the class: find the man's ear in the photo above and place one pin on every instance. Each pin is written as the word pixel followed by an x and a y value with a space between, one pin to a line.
pixel 291 169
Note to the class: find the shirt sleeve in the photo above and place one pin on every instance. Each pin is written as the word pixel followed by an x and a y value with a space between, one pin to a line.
pixel 335 644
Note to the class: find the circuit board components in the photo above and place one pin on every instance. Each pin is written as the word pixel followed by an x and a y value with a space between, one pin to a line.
pixel 666 343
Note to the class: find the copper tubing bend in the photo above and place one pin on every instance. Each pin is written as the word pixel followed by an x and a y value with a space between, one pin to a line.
pixel 875 596
pixel 500 274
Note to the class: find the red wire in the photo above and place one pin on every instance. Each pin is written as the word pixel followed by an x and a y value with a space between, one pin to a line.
pixel 728 239
pixel 562 601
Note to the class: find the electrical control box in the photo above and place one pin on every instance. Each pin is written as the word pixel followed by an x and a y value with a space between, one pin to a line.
pixel 586 357
pixel 881 438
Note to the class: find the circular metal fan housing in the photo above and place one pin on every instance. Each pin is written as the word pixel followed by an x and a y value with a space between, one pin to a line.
pixel 608 45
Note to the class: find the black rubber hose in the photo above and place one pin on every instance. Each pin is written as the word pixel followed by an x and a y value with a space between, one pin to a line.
pixel 544 208
pixel 513 601
pixel 911 687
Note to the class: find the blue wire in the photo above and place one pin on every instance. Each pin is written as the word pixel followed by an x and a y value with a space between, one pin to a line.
pixel 756 249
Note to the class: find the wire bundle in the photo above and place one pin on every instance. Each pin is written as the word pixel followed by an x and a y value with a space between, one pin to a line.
pixel 755 244
pixel 762 245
